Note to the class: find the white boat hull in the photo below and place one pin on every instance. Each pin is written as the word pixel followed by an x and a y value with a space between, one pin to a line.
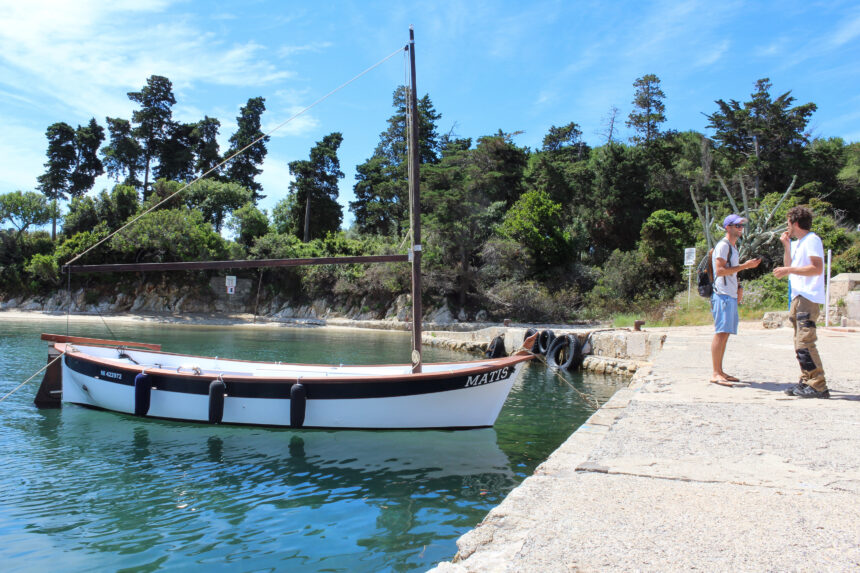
pixel 456 395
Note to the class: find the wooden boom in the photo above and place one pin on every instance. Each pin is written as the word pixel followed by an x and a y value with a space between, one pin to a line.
pixel 97 341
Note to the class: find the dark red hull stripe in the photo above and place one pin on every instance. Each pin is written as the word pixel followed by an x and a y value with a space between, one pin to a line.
pixel 319 390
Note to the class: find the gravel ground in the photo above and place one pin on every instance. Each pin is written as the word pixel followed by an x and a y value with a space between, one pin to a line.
pixel 676 474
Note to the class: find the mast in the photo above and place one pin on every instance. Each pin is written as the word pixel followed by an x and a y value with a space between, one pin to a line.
pixel 415 208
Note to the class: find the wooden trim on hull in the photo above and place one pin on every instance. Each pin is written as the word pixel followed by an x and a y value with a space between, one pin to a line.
pixel 61 338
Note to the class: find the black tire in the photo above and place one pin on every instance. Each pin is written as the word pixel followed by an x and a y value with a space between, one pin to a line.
pixel 529 332
pixel 566 346
pixel 544 341
pixel 496 349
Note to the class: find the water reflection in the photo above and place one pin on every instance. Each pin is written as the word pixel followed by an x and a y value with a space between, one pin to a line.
pixel 131 486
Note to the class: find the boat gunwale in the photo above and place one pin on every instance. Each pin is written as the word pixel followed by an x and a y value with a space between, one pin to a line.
pixel 482 366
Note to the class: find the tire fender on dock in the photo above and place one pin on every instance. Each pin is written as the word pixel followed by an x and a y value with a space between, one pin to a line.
pixel 568 345
pixel 544 341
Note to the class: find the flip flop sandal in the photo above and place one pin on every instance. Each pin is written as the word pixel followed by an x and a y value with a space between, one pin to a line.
pixel 721 382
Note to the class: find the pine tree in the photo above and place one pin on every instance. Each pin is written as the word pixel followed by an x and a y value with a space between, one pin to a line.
pixel 244 168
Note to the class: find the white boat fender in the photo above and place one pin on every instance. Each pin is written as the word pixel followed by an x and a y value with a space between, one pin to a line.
pixel 298 404
pixel 142 394
pixel 217 392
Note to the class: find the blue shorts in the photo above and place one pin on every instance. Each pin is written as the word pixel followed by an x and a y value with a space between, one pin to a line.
pixel 725 311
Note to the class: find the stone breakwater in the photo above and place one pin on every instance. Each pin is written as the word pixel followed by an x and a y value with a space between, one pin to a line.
pixel 612 351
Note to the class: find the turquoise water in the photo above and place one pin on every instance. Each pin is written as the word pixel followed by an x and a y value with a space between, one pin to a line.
pixel 87 490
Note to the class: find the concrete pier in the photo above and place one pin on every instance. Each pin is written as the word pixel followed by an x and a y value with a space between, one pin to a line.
pixel 677 474
pixel 612 350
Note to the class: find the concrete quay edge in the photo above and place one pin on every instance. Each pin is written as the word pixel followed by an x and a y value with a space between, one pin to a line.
pixel 674 473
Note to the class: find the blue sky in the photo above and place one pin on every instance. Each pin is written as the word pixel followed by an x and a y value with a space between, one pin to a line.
pixel 510 65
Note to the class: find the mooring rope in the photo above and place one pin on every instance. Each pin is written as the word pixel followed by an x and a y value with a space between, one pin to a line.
pixel 227 160
pixel 45 367
pixel 585 397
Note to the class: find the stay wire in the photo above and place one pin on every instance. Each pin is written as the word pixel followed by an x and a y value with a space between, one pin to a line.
pixel 45 367
pixel 227 160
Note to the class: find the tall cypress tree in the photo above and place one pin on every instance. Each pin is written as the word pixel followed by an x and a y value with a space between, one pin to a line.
pixel 123 156
pixel 153 121
pixel 764 137
pixel 88 166
pixel 57 180
pixel 313 194
pixel 649 110
pixel 382 190
pixel 244 168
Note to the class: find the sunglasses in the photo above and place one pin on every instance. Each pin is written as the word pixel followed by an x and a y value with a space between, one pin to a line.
pixel 738 225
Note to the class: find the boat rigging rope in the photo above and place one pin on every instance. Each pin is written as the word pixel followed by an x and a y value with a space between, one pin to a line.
pixel 585 397
pixel 45 367
pixel 227 160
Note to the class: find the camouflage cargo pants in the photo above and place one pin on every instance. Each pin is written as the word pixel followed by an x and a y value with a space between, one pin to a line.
pixel 803 313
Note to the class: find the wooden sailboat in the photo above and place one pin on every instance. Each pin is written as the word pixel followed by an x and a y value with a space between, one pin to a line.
pixel 142 380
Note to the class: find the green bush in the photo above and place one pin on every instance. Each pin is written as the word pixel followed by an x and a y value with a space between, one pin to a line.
pixel 847 261
pixel 43 268
pixel 766 293
pixel 530 301
pixel 627 283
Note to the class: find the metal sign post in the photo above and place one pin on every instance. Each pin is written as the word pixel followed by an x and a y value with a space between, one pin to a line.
pixel 827 291
pixel 689 261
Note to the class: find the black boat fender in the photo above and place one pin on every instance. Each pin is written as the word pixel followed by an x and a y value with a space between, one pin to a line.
pixel 142 394
pixel 298 404
pixel 217 391
pixel 544 341
pixel 568 345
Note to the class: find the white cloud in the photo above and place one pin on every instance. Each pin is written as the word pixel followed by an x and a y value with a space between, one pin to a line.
pixel 84 55
pixel 287 51
pixel 300 125
pixel 846 32
pixel 275 180
pixel 20 163
pixel 714 55
pixel 773 49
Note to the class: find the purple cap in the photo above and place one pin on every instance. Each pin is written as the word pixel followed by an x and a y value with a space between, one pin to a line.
pixel 733 219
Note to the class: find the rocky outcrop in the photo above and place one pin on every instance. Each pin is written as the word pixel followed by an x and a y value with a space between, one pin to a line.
pixel 775 319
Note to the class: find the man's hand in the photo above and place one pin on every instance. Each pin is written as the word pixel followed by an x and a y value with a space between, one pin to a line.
pixel 781 272
pixel 752 263
pixel 785 239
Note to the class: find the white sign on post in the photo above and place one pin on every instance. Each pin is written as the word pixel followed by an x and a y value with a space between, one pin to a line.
pixel 689 261
pixel 231 284
pixel 690 257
